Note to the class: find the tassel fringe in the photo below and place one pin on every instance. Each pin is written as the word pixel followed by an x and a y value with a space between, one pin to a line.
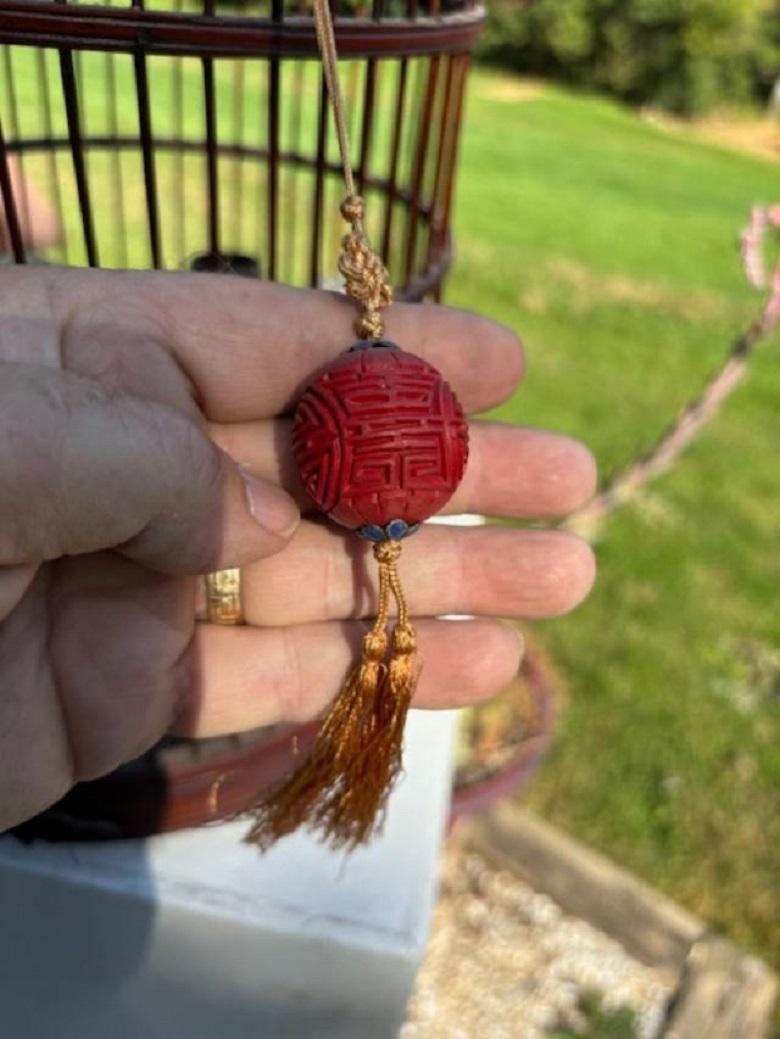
pixel 341 791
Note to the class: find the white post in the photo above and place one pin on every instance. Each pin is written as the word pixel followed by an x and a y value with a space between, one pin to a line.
pixel 196 934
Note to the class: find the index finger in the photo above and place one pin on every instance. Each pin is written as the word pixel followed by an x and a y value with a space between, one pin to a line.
pixel 250 347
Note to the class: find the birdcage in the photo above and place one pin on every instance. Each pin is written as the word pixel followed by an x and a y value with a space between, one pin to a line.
pixel 196 134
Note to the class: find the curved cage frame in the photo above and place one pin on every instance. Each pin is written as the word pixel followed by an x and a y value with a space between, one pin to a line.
pixel 166 135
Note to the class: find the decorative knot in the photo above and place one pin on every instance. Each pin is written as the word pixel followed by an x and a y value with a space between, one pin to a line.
pixel 374 646
pixel 353 209
pixel 404 640
pixel 365 277
pixel 387 551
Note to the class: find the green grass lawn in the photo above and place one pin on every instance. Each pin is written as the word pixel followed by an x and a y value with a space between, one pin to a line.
pixel 610 246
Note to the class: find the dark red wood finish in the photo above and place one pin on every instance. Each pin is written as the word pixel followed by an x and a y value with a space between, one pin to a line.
pixel 160 32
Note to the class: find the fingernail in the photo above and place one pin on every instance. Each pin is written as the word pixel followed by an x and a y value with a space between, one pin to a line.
pixel 273 509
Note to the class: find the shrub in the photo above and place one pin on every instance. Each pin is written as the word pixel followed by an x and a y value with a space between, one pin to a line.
pixel 684 55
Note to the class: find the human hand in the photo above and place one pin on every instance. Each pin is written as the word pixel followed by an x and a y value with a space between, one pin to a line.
pixel 125 398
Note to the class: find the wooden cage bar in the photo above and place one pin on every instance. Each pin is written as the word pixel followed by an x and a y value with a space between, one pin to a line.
pixel 162 135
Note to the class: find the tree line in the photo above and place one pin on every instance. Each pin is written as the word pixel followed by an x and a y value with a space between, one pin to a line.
pixel 687 56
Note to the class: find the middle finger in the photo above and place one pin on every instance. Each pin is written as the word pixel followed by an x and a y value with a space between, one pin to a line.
pixel 512 470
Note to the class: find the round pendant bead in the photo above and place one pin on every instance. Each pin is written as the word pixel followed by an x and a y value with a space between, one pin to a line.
pixel 380 440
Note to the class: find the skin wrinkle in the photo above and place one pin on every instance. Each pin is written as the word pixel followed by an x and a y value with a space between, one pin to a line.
pixel 94 399
pixel 61 685
pixel 23 308
pixel 474 464
pixel 176 440
pixel 80 324
pixel 65 311
pixel 146 738
pixel 144 694
pixel 43 469
pixel 135 537
pixel 14 582
pixel 225 317
pixel 456 572
pixel 332 573
pixel 108 373
pixel 212 478
pixel 70 775
pixel 180 684
pixel 73 773
pixel 131 422
pixel 24 464
pixel 290 686
pixel 12 532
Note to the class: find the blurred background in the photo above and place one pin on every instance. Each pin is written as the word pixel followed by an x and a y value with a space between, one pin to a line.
pixel 599 210
pixel 612 154
pixel 613 151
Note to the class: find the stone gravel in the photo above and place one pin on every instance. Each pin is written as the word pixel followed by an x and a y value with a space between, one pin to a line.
pixel 505 962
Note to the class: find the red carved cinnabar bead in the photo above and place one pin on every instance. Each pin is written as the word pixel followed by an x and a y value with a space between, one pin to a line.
pixel 380 437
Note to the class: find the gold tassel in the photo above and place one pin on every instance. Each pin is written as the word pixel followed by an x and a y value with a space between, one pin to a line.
pixel 341 791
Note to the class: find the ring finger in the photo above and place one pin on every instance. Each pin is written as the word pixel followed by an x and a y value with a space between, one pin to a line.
pixel 326 574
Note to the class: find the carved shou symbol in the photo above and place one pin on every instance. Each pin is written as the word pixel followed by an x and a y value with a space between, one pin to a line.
pixel 380 436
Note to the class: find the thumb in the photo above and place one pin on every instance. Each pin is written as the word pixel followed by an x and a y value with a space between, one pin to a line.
pixel 83 469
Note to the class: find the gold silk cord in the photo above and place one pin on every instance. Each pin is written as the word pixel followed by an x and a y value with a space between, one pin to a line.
pixel 326 40
pixel 365 277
